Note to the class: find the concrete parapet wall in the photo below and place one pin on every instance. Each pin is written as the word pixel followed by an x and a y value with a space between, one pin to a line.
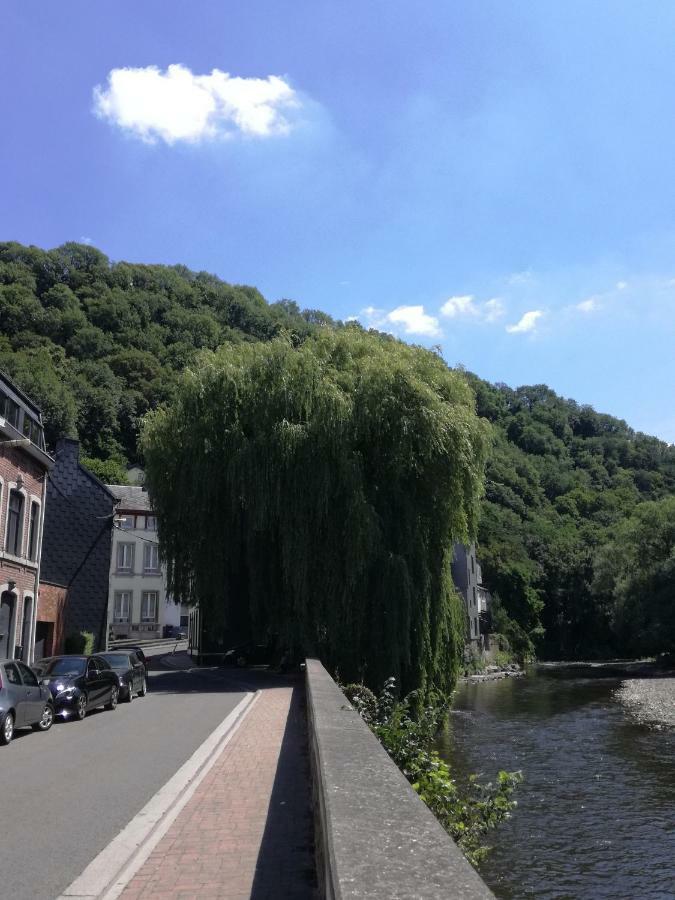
pixel 375 838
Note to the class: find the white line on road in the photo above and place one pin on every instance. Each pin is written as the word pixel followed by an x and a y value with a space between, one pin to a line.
pixel 109 873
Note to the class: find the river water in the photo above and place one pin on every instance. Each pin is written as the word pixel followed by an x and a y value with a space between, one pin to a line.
pixel 596 811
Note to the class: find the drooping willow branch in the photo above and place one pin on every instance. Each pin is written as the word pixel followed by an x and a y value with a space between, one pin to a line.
pixel 313 493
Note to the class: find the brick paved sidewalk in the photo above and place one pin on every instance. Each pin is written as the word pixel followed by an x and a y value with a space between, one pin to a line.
pixel 247 831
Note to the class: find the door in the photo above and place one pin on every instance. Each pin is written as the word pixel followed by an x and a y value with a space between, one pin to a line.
pixel 17 694
pixel 42 640
pixel 34 702
pixel 94 687
pixel 6 610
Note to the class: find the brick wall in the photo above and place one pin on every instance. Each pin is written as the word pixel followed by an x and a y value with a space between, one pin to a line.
pixel 51 609
pixel 14 464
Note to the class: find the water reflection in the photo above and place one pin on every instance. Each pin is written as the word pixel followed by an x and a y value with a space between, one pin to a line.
pixel 596 814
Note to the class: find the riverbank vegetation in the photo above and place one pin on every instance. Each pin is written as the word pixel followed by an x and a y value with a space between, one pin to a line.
pixel 570 494
pixel 406 728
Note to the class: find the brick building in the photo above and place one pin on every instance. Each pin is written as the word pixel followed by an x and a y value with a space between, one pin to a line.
pixel 24 466
pixel 77 545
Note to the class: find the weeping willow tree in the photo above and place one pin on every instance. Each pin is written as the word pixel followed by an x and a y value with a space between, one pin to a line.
pixel 313 494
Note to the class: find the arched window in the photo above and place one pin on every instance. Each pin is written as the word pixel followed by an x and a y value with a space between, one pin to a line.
pixel 14 523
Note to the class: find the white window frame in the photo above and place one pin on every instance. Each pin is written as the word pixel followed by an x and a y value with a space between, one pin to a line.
pixel 120 597
pixel 151 523
pixel 126 521
pixel 150 550
pixel 122 548
pixel 146 596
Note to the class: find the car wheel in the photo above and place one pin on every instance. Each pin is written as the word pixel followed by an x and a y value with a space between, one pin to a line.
pixel 129 696
pixel 81 707
pixel 144 688
pixel 47 719
pixel 241 662
pixel 7 729
pixel 114 694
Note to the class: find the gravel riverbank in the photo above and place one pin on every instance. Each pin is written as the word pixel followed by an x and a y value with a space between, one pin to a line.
pixel 650 700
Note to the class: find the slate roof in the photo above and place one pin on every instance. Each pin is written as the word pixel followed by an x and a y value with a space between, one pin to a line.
pixel 132 497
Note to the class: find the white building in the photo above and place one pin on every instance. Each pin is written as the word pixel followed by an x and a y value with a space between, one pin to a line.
pixel 138 604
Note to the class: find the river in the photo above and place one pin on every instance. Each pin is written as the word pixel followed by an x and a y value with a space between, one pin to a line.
pixel 596 811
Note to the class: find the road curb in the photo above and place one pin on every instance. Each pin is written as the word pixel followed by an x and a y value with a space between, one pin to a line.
pixel 108 874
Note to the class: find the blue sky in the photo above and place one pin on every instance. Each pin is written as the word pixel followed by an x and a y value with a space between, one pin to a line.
pixel 496 178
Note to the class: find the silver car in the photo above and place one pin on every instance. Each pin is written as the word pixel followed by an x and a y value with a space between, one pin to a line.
pixel 24 701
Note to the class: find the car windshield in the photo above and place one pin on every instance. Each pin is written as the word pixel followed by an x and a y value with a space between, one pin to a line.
pixel 66 666
pixel 116 660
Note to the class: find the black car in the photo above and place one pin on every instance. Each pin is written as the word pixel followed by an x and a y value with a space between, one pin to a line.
pixel 79 683
pixel 249 654
pixel 130 672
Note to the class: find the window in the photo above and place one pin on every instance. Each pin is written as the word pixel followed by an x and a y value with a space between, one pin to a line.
pixel 33 531
pixel 127 522
pixel 472 565
pixel 150 558
pixel 149 606
pixel 474 596
pixel 12 413
pixel 15 523
pixel 150 523
pixel 12 674
pixel 122 608
pixel 125 557
pixel 28 676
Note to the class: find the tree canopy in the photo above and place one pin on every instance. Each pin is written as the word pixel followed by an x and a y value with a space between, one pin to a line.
pixel 97 344
pixel 313 493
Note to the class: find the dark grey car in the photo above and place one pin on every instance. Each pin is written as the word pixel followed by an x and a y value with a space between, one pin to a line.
pixel 24 701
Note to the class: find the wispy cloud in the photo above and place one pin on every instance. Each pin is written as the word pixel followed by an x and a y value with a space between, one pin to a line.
pixel 458 307
pixel 519 278
pixel 590 305
pixel 178 105
pixel 527 323
pixel 466 307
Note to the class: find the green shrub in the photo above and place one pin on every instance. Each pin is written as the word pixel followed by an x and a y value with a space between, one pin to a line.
pixel 407 730
pixel 80 642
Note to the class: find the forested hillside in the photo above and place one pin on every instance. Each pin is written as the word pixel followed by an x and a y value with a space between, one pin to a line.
pixel 578 522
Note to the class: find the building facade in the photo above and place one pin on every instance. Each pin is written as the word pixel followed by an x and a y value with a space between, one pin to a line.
pixel 24 466
pixel 139 605
pixel 76 555
pixel 468 579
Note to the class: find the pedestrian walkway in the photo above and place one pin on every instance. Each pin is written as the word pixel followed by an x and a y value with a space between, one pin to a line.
pixel 247 833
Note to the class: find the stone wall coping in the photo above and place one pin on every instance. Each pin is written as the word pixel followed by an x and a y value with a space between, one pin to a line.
pixel 375 837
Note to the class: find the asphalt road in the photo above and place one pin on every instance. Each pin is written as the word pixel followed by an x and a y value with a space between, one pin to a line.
pixel 65 794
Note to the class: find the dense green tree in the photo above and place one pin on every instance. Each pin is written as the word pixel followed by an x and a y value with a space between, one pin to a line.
pixel 313 493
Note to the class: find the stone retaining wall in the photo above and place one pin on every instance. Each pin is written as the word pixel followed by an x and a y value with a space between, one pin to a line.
pixel 375 838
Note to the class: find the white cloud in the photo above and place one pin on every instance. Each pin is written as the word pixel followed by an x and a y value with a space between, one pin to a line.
pixel 590 305
pixel 456 307
pixel 494 309
pixel 86 240
pixel 621 285
pixel 178 105
pixel 527 323
pixel 465 307
pixel 414 321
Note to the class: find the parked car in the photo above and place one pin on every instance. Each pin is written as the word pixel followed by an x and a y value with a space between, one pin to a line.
pixel 130 671
pixel 139 653
pixel 249 654
pixel 23 700
pixel 79 683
